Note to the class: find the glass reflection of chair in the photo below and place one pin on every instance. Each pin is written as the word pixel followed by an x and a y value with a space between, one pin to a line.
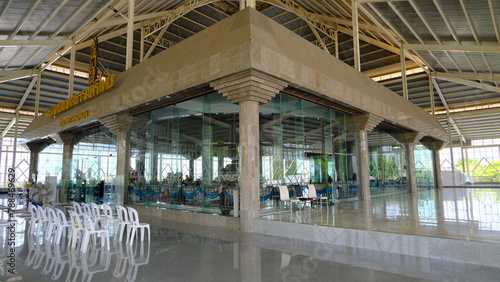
pixel 95 261
pixel 299 194
pixel 137 260
pixel 136 226
pixel 285 197
pixel 313 194
pixel 91 230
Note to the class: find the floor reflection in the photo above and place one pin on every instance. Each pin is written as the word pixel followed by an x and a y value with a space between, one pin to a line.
pixel 63 263
pixel 459 213
pixel 186 252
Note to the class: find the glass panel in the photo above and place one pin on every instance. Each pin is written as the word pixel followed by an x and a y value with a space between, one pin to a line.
pixel 185 156
pixel 301 143
pixel 423 167
pixel 387 162
pixel 94 168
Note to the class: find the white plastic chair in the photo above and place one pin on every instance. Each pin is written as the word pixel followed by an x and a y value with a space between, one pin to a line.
pixel 86 209
pixel 285 196
pixel 62 223
pixel 52 225
pixel 77 207
pixel 98 218
pixel 136 225
pixel 91 229
pixel 76 227
pixel 34 220
pixel 124 224
pixel 109 215
pixel 43 220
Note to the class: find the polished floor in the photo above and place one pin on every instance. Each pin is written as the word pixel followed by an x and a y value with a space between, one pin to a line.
pixel 184 252
pixel 465 213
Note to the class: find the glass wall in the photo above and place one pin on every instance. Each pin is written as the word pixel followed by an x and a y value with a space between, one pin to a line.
pixel 186 155
pixel 50 163
pixel 387 162
pixel 94 168
pixel 304 143
pixel 424 170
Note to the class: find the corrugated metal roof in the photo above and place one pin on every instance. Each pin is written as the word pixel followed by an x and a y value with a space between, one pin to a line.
pixel 456 40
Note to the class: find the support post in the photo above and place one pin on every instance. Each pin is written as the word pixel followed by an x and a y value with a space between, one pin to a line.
pixel 72 69
pixel 435 146
pixel 34 152
pixel 355 33
pixel 249 89
pixel 363 123
pixel 403 73
pixel 130 34
pixel 120 124
pixel 68 140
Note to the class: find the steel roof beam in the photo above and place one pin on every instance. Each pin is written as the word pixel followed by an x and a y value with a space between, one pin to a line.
pixel 463 48
pixel 471 83
pixel 16 74
pixel 473 76
pixel 27 93
pixel 33 42
pixel 8 127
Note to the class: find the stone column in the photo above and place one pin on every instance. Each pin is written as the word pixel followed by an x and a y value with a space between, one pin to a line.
pixel 363 123
pixel 34 152
pixel 120 124
pixel 249 89
pixel 435 146
pixel 68 140
pixel 409 139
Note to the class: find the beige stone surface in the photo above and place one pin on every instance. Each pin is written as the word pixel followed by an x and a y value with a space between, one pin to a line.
pixel 246 40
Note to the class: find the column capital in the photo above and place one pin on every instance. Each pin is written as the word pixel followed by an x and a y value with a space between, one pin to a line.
pixel 364 121
pixel 117 122
pixel 37 147
pixel 408 137
pixel 433 145
pixel 249 85
pixel 66 138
